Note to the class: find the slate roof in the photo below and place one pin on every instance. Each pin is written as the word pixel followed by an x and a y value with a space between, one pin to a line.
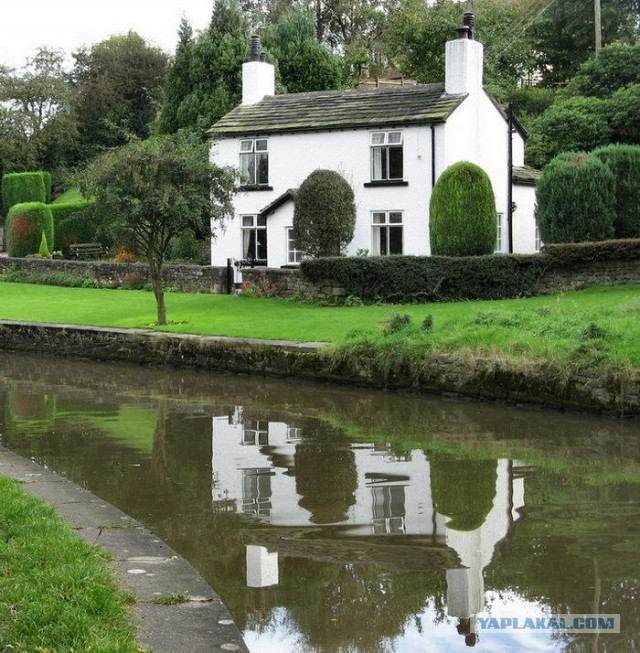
pixel 525 175
pixel 288 196
pixel 325 110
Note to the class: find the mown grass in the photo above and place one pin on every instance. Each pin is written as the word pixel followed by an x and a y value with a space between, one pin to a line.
pixel 57 593
pixel 597 327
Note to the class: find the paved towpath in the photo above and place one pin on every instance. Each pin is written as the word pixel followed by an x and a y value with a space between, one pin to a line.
pixel 146 566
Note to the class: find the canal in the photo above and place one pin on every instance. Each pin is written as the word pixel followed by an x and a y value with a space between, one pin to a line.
pixel 342 520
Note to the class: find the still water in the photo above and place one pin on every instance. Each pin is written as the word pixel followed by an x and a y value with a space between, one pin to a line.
pixel 338 520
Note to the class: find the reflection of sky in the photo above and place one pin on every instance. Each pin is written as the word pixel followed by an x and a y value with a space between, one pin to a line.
pixel 435 637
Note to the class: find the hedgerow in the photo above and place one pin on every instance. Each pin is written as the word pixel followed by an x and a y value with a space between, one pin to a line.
pixel 73 223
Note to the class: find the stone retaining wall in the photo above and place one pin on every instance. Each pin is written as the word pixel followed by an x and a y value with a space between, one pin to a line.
pixel 480 378
pixel 290 283
pixel 186 278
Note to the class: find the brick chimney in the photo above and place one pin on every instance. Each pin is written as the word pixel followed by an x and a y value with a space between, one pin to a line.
pixel 258 76
pixel 464 61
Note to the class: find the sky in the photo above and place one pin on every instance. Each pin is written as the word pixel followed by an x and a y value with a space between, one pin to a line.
pixel 68 25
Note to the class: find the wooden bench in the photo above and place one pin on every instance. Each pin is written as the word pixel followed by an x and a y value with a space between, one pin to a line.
pixel 87 250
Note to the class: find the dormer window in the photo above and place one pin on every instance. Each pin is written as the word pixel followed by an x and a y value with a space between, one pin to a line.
pixel 386 156
pixel 254 162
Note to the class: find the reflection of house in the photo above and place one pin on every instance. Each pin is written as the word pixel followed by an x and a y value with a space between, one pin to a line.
pixel 390 143
pixel 255 474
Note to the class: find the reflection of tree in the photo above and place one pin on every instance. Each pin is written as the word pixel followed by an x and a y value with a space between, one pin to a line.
pixel 462 489
pixel 326 476
pixel 354 607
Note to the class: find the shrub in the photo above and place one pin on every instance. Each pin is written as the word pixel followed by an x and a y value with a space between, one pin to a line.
pixel 74 222
pixel 261 287
pixel 624 163
pixel 43 251
pixel 25 225
pixel 578 124
pixel 623 112
pixel 324 214
pixel 463 212
pixel 575 200
pixel 20 187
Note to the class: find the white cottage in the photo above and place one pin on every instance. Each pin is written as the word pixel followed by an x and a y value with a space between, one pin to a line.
pixel 391 144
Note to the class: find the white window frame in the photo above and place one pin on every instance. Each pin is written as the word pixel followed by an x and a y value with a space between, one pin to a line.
pixel 381 143
pixel 499 233
pixel 294 256
pixel 385 221
pixel 537 240
pixel 252 151
pixel 252 224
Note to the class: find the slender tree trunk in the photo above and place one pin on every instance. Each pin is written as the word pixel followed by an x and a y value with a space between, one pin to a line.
pixel 155 274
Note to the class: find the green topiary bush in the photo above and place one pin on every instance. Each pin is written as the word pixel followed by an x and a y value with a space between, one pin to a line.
pixel 19 187
pixel 624 163
pixel 463 212
pixel 74 222
pixel 324 214
pixel 25 225
pixel 575 200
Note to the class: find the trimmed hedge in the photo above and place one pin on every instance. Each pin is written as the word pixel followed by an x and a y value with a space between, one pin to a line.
pixel 20 187
pixel 25 224
pixel 400 279
pixel 74 222
pixel 422 278
pixel 463 212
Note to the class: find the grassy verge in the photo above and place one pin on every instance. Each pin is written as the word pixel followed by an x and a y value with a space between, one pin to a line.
pixel 595 328
pixel 57 593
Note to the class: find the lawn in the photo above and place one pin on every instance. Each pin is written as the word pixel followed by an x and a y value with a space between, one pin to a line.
pixel 57 593
pixel 600 325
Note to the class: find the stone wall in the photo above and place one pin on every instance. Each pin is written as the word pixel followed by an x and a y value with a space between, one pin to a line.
pixel 290 283
pixel 186 278
pixel 481 378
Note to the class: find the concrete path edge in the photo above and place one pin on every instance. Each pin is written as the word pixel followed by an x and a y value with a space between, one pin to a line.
pixel 145 566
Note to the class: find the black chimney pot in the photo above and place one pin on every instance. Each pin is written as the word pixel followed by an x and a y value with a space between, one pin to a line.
pixel 256 48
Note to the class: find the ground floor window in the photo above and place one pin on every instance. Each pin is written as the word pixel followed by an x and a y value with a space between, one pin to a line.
pixel 387 233
pixel 499 232
pixel 294 256
pixel 538 240
pixel 254 239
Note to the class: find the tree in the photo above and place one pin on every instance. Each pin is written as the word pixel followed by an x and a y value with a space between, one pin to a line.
pixel 463 212
pixel 623 113
pixel 119 84
pixel 324 214
pixel 215 64
pixel 37 127
pixel 563 34
pixel 303 63
pixel 178 82
pixel 575 200
pixel 153 190
pixel 574 125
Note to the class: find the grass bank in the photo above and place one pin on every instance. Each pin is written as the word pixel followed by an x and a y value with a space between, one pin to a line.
pixel 57 593
pixel 596 328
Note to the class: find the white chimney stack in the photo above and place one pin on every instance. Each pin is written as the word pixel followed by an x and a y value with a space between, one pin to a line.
pixel 464 61
pixel 258 76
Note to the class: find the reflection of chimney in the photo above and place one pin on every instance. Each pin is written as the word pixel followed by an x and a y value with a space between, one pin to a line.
pixel 258 76
pixel 464 60
pixel 262 567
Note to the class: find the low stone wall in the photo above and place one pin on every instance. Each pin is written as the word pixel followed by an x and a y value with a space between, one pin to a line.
pixel 479 378
pixel 608 273
pixel 186 278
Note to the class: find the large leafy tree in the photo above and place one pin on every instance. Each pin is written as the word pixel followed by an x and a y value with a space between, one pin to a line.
pixel 119 84
pixel 37 126
pixel 153 190
pixel 564 34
